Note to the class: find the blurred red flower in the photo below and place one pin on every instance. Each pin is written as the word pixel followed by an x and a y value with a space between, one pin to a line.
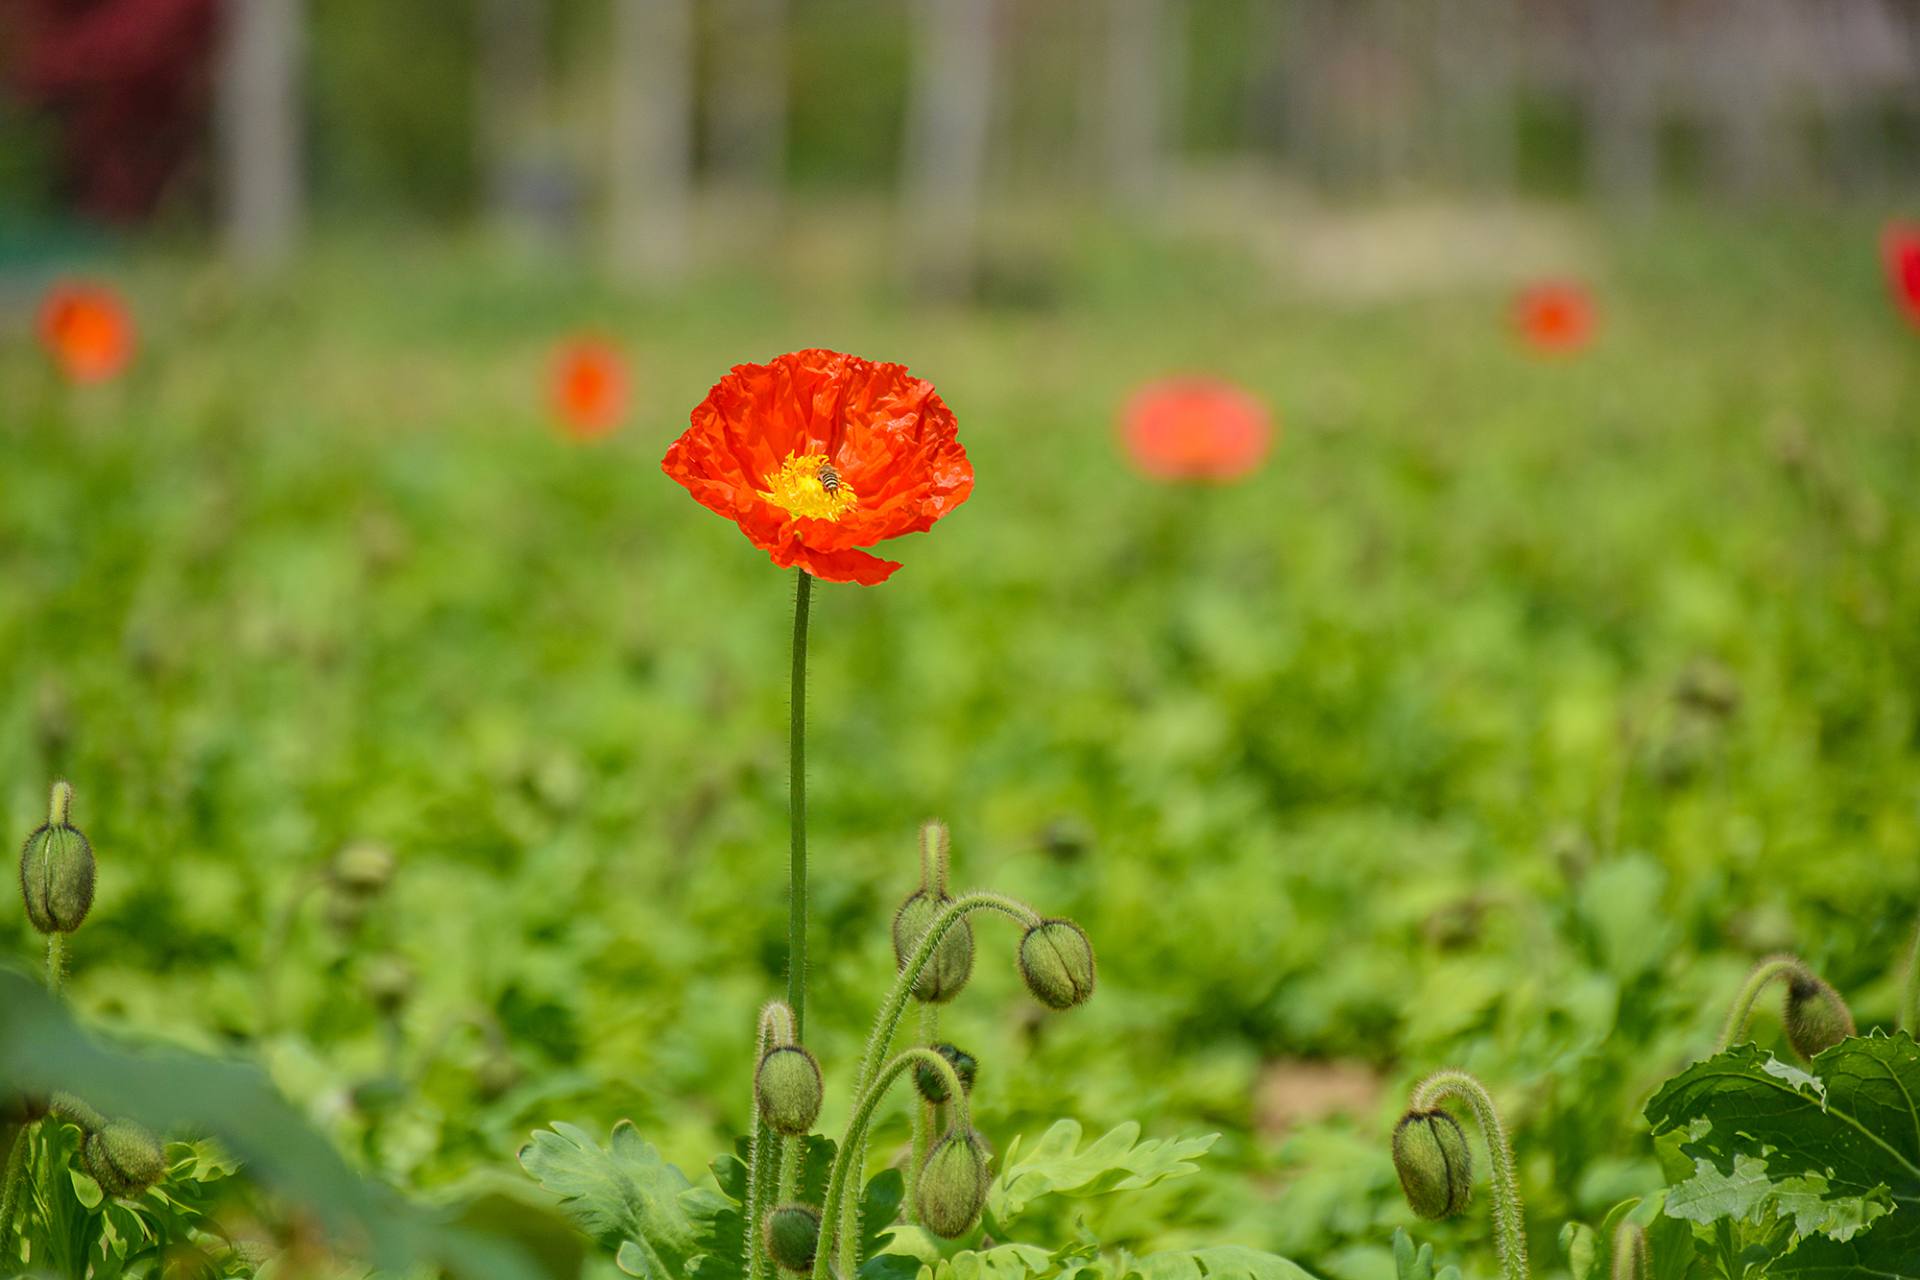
pixel 816 453
pixel 1900 246
pixel 589 389
pixel 87 331
pixel 1555 317
pixel 1196 428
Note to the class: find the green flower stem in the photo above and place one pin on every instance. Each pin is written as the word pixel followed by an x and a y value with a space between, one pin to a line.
pixel 1631 1258
pixel 1509 1218
pixel 922 1115
pixel 1763 975
pixel 834 1220
pixel 763 1151
pixel 894 1007
pixel 793 1164
pixel 797 813
pixel 1910 998
pixel 17 1143
pixel 56 961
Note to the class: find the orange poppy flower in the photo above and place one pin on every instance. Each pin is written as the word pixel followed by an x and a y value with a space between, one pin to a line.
pixel 589 389
pixel 1196 429
pixel 1900 247
pixel 87 331
pixel 815 453
pixel 1555 317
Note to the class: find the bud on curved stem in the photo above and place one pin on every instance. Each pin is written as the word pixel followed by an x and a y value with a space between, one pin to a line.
pixel 1631 1259
pixel 1509 1218
pixel 57 876
pixel 124 1157
pixel 1056 962
pixel 1816 1017
pixel 953 1186
pixel 792 1236
pixel 848 1159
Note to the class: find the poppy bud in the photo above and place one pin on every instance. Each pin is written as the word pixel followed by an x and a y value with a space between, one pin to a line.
pixel 1817 1018
pixel 56 869
pixel 76 1113
pixel 787 1089
pixel 388 982
pixel 953 1184
pixel 793 1236
pixel 1436 1170
pixel 951 964
pixel 932 1084
pixel 1056 959
pixel 124 1158
pixel 363 869
pixel 498 1072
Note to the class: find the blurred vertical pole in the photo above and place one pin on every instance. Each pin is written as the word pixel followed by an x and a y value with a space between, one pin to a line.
pixel 259 130
pixel 946 161
pixel 1477 52
pixel 510 90
pixel 1623 114
pixel 748 114
pixel 1744 98
pixel 1135 102
pixel 650 166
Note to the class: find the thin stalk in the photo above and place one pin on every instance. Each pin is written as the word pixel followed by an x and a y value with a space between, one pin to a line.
pixel 17 1144
pixel 1632 1260
pixel 922 1116
pixel 1763 975
pixel 764 1150
pixel 797 813
pixel 834 1220
pixel 56 961
pixel 1509 1218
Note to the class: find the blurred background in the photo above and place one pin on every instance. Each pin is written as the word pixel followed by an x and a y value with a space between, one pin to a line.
pixel 1544 653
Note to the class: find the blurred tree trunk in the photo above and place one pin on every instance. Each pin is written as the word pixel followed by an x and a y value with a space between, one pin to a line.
pixel 1623 113
pixel 650 169
pixel 1136 67
pixel 260 130
pixel 748 106
pixel 510 93
pixel 946 161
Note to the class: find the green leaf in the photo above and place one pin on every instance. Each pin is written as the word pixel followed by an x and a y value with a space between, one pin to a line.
pixel 624 1195
pixel 1836 1151
pixel 1582 1247
pixel 1058 1165
pixel 1223 1262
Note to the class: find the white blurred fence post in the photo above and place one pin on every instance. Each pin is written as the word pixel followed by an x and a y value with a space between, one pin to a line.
pixel 1136 68
pixel 259 130
pixel 650 134
pixel 946 160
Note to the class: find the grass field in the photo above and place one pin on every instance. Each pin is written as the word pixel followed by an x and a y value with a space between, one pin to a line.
pixel 1502 720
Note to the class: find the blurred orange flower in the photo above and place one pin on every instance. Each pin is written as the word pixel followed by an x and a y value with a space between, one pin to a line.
pixel 1555 317
pixel 589 389
pixel 87 330
pixel 1900 246
pixel 815 453
pixel 1195 428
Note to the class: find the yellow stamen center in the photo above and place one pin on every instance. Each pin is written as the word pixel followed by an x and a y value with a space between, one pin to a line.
pixel 797 488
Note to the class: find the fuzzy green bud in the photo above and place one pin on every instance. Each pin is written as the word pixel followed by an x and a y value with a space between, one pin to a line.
pixel 497 1073
pixel 1056 959
pixel 388 982
pixel 933 1085
pixel 792 1234
pixel 1436 1169
pixel 951 964
pixel 787 1089
pixel 65 1106
pixel 363 869
pixel 953 1184
pixel 124 1158
pixel 57 869
pixel 1817 1018
pixel 1630 1260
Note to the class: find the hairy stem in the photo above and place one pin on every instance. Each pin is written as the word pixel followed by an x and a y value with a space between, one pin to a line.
pixel 797 812
pixel 17 1144
pixel 834 1219
pixel 762 1156
pixel 56 961
pixel 922 1115
pixel 1763 975
pixel 1631 1258
pixel 1509 1218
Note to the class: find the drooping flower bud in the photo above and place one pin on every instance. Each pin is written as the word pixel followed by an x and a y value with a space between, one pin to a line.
pixel 788 1090
pixel 793 1236
pixel 124 1158
pixel 388 981
pixel 75 1112
pixel 932 1084
pixel 56 869
pixel 1436 1169
pixel 1056 959
pixel 953 1184
pixel 1817 1018
pixel 951 964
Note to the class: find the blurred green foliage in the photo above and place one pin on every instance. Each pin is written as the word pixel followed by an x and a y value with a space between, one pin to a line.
pixel 1501 720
